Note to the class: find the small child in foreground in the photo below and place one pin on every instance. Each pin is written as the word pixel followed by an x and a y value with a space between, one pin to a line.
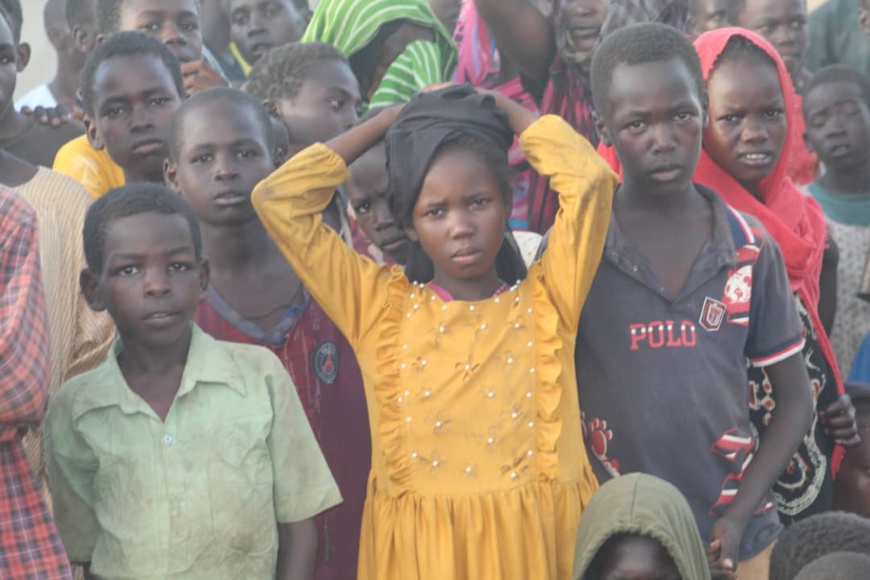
pixel 180 455
pixel 815 537
pixel 479 468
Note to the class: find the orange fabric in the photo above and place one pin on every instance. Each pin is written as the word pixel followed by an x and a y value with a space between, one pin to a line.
pixel 91 167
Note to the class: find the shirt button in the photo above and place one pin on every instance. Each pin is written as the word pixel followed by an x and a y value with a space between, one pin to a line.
pixel 168 439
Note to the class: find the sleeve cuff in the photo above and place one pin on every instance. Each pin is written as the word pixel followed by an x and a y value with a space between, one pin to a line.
pixel 779 355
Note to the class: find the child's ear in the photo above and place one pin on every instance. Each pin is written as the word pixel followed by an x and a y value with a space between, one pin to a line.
pixel 170 175
pixel 90 286
pixel 204 277
pixel 23 56
pixel 94 136
pixel 601 128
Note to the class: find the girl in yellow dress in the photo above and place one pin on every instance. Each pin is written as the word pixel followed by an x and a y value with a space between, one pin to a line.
pixel 479 469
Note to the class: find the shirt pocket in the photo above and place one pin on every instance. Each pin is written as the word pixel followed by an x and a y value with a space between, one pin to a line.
pixel 240 488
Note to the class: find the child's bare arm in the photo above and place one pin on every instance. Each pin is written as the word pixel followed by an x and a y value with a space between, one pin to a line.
pixel 523 33
pixel 297 550
pixel 352 144
pixel 790 421
pixel 519 118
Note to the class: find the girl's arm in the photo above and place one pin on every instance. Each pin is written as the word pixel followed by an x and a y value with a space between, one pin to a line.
pixel 297 550
pixel 585 185
pixel 351 289
pixel 522 33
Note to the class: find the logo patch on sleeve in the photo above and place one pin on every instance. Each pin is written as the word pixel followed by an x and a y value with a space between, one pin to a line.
pixel 326 362
pixel 712 314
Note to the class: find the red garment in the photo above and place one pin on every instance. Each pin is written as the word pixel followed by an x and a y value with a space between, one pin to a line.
pixel 30 548
pixel 794 220
pixel 330 386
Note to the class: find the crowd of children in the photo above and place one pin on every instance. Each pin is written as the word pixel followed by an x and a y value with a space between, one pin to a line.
pixel 409 289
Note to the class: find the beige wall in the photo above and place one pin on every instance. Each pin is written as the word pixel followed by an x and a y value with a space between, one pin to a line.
pixel 42 64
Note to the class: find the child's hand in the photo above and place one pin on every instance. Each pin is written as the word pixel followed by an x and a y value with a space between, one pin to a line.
pixel 838 421
pixel 723 551
pixel 199 76
pixel 53 116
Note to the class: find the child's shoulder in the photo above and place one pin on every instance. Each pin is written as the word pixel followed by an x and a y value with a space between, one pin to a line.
pixel 246 365
pixel 83 391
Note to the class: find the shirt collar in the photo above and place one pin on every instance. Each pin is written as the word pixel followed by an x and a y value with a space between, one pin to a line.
pixel 209 362
pixel 722 240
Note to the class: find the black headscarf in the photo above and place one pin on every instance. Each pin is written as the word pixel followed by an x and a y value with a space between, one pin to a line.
pixel 427 123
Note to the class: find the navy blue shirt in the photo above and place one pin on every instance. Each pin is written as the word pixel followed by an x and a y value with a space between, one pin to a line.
pixel 663 380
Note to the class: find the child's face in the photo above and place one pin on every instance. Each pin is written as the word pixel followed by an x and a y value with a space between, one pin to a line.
pixel 135 98
pixel 151 282
pixel 8 67
pixel 654 119
pixel 637 558
pixel 708 15
pixel 747 126
pixel 175 23
pixel 367 190
pixel 784 24
pixel 460 218
pixel 223 154
pixel 325 107
pixel 578 26
pixel 260 25
pixel 838 125
pixel 852 486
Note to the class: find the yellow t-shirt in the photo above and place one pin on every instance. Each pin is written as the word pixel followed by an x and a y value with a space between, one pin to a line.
pixel 91 167
pixel 197 495
pixel 478 464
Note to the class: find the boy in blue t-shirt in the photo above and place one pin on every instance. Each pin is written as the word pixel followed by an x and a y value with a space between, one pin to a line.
pixel 687 290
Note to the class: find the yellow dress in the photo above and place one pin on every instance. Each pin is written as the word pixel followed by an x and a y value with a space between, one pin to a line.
pixel 93 168
pixel 478 464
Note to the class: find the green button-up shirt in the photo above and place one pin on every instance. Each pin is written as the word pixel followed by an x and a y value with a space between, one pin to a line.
pixel 197 495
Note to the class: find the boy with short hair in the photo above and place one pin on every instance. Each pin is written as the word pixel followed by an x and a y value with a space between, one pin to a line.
pixel 131 88
pixel 311 87
pixel 836 109
pixel 257 26
pixel 221 148
pixel 175 23
pixel 815 537
pixel 180 455
pixel 23 135
pixel 25 519
pixel 687 290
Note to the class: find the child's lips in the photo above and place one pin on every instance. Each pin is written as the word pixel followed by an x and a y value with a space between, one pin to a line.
pixel 230 198
pixel 756 159
pixel 148 147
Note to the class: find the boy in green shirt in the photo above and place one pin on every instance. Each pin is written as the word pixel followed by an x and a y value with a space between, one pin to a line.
pixel 180 455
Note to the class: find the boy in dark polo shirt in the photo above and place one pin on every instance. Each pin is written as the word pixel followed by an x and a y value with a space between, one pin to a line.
pixel 687 290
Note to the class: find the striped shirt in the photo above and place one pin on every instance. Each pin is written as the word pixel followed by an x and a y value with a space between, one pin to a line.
pixel 419 66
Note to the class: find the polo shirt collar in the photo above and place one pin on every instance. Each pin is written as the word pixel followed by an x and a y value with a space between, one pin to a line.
pixel 722 240
pixel 208 363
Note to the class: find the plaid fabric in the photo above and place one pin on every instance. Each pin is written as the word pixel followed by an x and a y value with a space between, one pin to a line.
pixel 30 547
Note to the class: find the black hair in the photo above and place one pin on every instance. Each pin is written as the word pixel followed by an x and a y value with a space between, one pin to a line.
pixel 76 10
pixel 11 10
pixel 741 49
pixel 641 44
pixel 610 545
pixel 281 72
pixel 123 44
pixel 130 200
pixel 220 95
pixel 508 262
pixel 815 537
pixel 109 15
pixel 839 73
pixel 837 566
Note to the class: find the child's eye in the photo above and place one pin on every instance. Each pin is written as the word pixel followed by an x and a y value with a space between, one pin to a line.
pixel 247 154
pixel 480 202
pixel 336 104
pixel 273 11
pixel 159 101
pixel 434 212
pixel 773 113
pixel 179 267
pixel 150 27
pixel 730 118
pixel 796 24
pixel 128 270
pixel 114 112
pixel 189 27
pixel 635 125
pixel 363 208
pixel 205 158
pixel 7 60
pixel 240 19
pixel 683 117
